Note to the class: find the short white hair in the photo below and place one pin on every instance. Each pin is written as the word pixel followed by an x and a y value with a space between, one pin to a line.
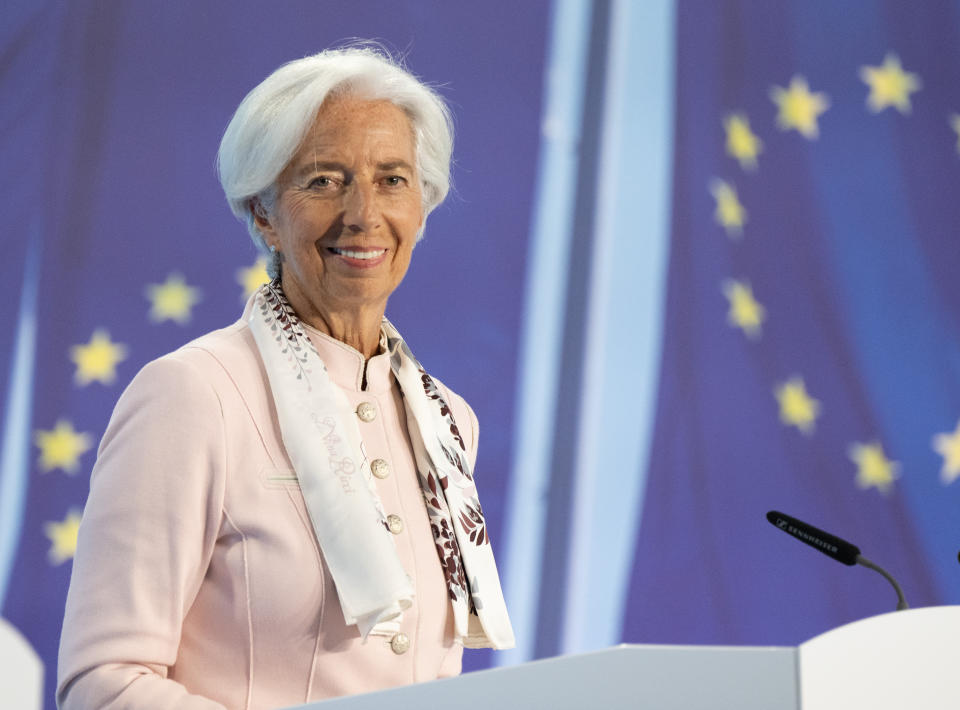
pixel 275 117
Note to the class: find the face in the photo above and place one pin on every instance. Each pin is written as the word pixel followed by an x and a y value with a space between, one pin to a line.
pixel 348 210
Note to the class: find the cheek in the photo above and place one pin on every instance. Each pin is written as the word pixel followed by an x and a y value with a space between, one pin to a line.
pixel 406 245
pixel 401 261
pixel 306 221
pixel 405 224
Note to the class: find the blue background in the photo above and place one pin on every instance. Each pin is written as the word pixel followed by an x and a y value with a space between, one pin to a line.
pixel 570 288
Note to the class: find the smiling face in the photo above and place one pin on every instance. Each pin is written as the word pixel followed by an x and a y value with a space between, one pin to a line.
pixel 347 212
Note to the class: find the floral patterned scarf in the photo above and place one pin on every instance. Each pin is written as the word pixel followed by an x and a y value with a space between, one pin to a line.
pixel 323 443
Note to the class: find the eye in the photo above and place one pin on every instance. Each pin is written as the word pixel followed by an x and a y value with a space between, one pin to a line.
pixel 323 182
pixel 394 180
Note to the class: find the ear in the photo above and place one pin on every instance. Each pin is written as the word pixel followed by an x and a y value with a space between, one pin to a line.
pixel 261 218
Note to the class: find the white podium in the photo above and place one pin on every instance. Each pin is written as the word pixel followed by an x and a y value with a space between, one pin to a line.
pixel 905 659
pixel 21 671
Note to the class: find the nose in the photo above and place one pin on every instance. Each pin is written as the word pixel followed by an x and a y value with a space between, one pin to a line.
pixel 360 210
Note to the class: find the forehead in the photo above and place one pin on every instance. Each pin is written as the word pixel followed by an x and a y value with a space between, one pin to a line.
pixel 349 124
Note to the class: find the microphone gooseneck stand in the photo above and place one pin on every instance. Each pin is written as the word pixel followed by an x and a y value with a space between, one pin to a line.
pixel 832 546
pixel 901 601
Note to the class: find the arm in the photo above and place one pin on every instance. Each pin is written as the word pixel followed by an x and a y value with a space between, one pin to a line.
pixel 147 535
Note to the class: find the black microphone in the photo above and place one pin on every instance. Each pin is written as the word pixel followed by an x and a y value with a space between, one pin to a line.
pixel 832 546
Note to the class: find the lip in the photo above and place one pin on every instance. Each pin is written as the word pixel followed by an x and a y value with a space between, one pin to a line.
pixel 359 263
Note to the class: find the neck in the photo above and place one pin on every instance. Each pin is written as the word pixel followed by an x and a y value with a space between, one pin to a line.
pixel 361 331
pixel 356 325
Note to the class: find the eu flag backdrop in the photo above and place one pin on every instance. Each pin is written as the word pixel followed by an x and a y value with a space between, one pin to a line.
pixel 811 358
pixel 700 262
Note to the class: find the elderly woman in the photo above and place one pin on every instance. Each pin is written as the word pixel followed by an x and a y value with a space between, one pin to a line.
pixel 284 510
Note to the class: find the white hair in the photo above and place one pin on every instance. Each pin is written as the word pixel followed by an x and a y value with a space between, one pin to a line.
pixel 275 117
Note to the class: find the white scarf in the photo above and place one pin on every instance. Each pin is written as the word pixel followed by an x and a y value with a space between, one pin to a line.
pixel 323 443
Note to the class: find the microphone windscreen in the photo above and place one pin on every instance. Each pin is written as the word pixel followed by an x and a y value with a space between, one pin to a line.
pixel 830 545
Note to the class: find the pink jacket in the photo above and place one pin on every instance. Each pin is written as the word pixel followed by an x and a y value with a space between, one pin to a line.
pixel 198 582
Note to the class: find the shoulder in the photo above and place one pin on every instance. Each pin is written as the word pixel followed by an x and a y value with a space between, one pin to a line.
pixel 227 355
pixel 229 348
pixel 193 381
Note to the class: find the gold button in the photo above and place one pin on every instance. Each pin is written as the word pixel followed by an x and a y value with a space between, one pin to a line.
pixel 367 411
pixel 395 524
pixel 400 643
pixel 380 468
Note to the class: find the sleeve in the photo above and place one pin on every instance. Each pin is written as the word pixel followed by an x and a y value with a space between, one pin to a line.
pixel 145 540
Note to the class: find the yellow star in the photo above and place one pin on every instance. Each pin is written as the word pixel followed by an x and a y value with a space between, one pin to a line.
pixel 948 446
pixel 797 408
pixel 889 85
pixel 63 537
pixel 253 277
pixel 730 214
pixel 98 359
pixel 61 447
pixel 745 312
pixel 742 143
pixel 799 109
pixel 874 469
pixel 955 125
pixel 172 300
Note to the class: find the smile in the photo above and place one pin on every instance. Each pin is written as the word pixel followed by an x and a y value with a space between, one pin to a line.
pixel 353 254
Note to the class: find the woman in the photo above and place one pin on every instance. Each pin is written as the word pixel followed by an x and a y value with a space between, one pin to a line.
pixel 283 510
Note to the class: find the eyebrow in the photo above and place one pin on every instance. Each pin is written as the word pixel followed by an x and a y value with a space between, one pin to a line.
pixel 313 166
pixel 394 164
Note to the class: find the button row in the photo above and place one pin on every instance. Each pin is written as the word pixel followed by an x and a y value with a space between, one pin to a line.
pixel 367 412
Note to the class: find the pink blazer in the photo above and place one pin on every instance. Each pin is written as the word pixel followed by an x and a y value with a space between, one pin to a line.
pixel 198 582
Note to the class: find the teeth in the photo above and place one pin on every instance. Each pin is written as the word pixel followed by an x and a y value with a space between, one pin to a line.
pixel 359 254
